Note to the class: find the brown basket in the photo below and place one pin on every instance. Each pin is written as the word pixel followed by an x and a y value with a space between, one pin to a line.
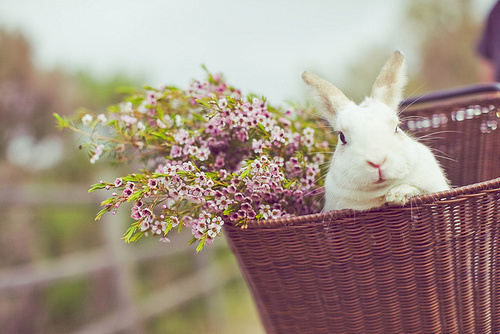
pixel 430 267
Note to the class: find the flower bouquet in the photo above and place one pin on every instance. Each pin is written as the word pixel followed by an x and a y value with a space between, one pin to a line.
pixel 211 156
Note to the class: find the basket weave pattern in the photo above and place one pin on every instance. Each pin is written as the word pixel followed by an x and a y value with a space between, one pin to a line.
pixel 432 266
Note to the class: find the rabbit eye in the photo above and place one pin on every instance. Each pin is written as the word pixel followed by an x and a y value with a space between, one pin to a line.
pixel 342 138
pixel 396 131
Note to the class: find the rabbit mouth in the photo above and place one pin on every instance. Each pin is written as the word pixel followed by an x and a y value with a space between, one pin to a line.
pixel 380 176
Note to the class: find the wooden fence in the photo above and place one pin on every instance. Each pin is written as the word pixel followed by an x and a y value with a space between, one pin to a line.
pixel 116 258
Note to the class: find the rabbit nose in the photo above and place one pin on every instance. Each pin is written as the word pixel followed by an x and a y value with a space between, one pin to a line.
pixel 374 164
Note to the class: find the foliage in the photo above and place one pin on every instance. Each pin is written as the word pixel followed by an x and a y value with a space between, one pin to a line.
pixel 212 156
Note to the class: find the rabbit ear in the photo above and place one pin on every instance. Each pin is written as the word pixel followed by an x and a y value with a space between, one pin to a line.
pixel 389 85
pixel 330 96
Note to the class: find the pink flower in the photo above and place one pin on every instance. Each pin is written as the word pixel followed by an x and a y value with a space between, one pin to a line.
pixel 275 213
pixel 246 207
pixel 118 182
pixel 219 161
pixel 147 213
pixel 127 192
pixel 200 178
pixel 175 152
pixel 188 167
pixel 136 215
pixel 223 203
pixel 201 225
pixel 203 153
pixel 223 173
pixel 164 239
pixel 181 136
pixel 174 221
pixel 153 183
pixel 231 189
pixel 128 120
pixel 145 225
pixel 258 145
pixel 194 135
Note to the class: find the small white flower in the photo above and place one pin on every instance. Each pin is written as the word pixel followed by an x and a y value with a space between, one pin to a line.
pixel 129 120
pixel 214 227
pixel 308 132
pixel 142 107
pixel 87 119
pixel 102 119
pixel 145 225
pixel 193 150
pixel 169 122
pixel 222 103
pixel 126 107
pixel 98 151
pixel 160 124
pixel 178 120
pixel 203 153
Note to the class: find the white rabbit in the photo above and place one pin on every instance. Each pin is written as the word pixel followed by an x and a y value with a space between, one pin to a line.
pixel 374 161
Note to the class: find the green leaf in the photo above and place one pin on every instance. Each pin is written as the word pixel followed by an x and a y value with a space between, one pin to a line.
pixel 245 173
pixel 230 209
pixel 136 237
pixel 261 127
pixel 136 99
pixel 192 240
pixel 198 117
pixel 62 121
pixel 289 183
pixel 160 135
pixel 101 213
pixel 135 196
pixel 114 108
pixel 168 229
pixel 129 234
pixel 160 112
pixel 107 201
pixel 97 186
pixel 199 248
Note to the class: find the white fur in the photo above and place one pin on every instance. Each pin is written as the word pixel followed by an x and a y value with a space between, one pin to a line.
pixel 378 164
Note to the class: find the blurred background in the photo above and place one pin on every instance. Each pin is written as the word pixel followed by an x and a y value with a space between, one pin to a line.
pixel 61 272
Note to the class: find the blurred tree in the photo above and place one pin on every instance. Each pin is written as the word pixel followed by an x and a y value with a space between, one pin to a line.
pixel 444 35
pixel 29 96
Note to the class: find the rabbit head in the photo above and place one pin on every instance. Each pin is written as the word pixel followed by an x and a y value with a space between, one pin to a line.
pixel 372 155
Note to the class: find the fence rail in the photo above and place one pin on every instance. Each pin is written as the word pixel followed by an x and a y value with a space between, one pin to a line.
pixel 113 256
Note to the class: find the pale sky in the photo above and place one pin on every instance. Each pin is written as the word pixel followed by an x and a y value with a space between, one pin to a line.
pixel 261 46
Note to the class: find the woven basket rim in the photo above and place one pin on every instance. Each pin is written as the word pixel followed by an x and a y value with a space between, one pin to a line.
pixel 475 95
pixel 474 189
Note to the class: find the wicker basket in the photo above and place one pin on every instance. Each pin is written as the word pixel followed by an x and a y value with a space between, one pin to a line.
pixel 430 267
